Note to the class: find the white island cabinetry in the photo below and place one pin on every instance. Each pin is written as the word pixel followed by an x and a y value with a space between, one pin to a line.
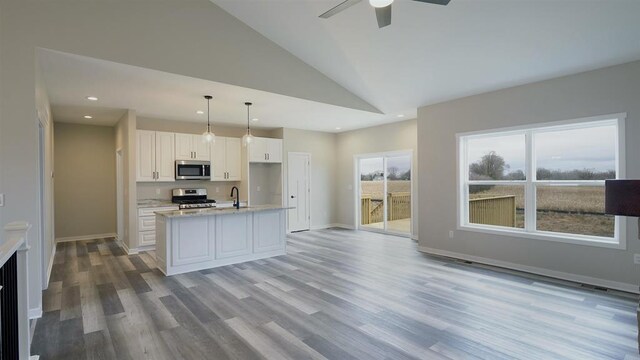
pixel 192 240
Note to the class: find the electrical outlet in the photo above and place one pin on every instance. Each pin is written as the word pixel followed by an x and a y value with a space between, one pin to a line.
pixel 451 234
pixel 258 188
pixel 157 191
pixel 1 199
pixel 217 189
pixel 636 259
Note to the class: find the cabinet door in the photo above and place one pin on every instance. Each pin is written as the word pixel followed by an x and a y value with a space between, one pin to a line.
pixel 184 150
pixel 268 231
pixel 146 238
pixel 145 155
pixel 233 235
pixel 274 149
pixel 200 148
pixel 258 150
pixel 218 159
pixel 192 241
pixel 165 156
pixel 234 159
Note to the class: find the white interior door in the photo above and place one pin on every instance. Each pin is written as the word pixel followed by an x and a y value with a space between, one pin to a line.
pixel 298 183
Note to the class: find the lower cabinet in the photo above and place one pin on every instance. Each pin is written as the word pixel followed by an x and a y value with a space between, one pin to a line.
pixel 147 224
pixel 218 238
pixel 189 252
pixel 268 231
pixel 233 235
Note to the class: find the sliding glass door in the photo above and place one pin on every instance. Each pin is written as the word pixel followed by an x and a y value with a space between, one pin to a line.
pixel 384 192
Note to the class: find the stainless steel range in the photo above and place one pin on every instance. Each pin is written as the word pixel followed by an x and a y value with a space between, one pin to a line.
pixel 192 199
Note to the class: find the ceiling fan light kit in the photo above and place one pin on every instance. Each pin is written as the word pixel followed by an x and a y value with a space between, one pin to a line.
pixel 382 8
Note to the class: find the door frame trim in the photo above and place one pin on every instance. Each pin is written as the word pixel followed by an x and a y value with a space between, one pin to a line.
pixel 356 192
pixel 308 155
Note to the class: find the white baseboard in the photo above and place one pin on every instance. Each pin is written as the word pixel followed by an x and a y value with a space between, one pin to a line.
pixel 325 226
pixel 414 237
pixel 85 237
pixel 50 266
pixel 35 313
pixel 609 284
pixel 343 226
pixel 127 250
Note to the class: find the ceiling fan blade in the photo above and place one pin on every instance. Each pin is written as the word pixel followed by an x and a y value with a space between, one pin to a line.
pixel 384 16
pixel 437 2
pixel 336 9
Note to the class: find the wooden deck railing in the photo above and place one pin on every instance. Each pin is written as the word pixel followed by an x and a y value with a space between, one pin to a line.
pixel 372 211
pixel 496 210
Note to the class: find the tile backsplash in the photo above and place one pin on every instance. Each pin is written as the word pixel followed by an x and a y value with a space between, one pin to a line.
pixel 218 191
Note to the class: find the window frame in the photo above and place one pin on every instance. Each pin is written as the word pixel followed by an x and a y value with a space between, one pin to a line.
pixel 531 183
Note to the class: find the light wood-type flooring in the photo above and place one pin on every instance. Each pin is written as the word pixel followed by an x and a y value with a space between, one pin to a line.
pixel 337 294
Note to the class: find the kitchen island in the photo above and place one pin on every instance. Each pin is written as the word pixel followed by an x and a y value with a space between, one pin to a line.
pixel 198 239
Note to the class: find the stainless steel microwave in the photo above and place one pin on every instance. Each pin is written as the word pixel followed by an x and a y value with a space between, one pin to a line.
pixel 193 170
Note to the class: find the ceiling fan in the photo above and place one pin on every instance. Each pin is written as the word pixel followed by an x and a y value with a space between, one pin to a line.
pixel 382 7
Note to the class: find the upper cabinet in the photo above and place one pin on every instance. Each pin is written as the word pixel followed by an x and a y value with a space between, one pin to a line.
pixel 191 147
pixel 265 150
pixel 155 156
pixel 226 158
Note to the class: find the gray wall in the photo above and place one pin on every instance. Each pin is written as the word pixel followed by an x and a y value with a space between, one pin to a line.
pixel 606 91
pixel 85 186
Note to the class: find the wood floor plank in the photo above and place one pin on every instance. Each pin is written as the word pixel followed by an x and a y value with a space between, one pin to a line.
pixel 337 294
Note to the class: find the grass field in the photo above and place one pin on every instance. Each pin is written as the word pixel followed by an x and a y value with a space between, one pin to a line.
pixel 564 209
pixel 376 188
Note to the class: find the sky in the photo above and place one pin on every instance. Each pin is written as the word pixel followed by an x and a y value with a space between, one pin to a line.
pixel 591 148
pixel 403 163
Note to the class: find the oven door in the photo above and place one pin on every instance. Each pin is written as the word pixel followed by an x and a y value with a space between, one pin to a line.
pixel 193 170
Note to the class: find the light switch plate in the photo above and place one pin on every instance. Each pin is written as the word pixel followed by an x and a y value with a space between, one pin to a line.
pixel 258 188
pixel 451 234
pixel 1 199
pixel 636 259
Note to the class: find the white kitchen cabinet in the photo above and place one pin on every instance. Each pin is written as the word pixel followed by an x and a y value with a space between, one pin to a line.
pixel 274 150
pixel 233 235
pixel 265 150
pixel 191 147
pixel 155 156
pixel 268 231
pixel 226 159
pixel 147 224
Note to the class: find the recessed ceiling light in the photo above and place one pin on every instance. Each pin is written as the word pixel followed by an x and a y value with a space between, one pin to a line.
pixel 88 117
pixel 400 115
pixel 338 128
pixel 199 112
pixel 92 98
pixel 254 119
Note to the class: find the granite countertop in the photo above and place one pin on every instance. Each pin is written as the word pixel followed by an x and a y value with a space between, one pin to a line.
pixel 150 203
pixel 223 211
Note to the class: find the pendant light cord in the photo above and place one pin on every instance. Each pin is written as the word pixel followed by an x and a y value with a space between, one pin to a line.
pixel 208 122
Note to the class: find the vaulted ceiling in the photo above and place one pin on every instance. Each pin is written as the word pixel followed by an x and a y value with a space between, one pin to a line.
pixel 433 53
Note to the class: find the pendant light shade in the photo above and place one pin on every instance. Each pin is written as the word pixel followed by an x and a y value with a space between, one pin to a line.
pixel 208 136
pixel 247 138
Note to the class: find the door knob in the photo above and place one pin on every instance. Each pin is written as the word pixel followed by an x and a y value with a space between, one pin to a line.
pixel 293 197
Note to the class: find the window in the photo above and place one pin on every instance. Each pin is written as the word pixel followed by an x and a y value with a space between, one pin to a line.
pixel 544 182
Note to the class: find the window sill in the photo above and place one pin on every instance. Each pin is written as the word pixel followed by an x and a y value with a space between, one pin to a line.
pixel 547 236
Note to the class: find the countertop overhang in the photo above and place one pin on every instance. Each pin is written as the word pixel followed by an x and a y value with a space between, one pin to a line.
pixel 219 211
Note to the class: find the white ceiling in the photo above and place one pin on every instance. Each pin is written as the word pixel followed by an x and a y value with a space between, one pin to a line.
pixel 71 78
pixel 433 53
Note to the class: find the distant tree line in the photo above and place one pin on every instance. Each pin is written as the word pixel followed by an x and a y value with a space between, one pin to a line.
pixel 493 167
pixel 393 173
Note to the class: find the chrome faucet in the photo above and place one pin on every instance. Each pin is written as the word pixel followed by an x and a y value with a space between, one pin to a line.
pixel 236 202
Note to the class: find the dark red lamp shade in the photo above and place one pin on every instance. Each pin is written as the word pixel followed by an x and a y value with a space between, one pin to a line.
pixel 622 197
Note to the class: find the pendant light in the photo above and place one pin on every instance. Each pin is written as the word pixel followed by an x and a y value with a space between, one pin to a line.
pixel 208 136
pixel 247 138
